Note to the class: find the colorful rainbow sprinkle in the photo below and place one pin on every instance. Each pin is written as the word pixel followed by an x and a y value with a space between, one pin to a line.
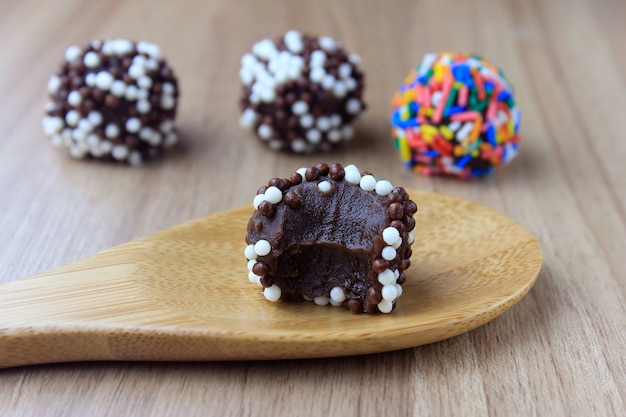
pixel 455 115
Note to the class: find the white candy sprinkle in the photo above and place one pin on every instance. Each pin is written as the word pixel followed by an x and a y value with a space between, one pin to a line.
pixel 391 235
pixel 321 301
pixel 335 303
pixel 167 126
pixel 249 252
pixel 265 131
pixel 411 238
pixel 335 120
pixel 350 84
pixel 386 277
pixel 337 294
pixel 318 58
pixel 52 125
pixel 334 136
pixel 385 306
pixel 389 253
pixel 74 98
pixel 95 118
pixel 262 247
pixel 348 132
pixel 435 98
pixel 91 59
pixel 340 89
pixel 252 277
pixel 167 102
pixel 324 186
pixel 314 136
pixel 56 140
pixel 327 43
pixel 85 125
pixel 293 41
pixel 275 144
pixel 77 152
pixel 317 74
pixel 49 106
pixel 79 135
pixel 389 292
pixel 122 46
pixel 135 159
pixel 306 121
pixel 307 298
pixel 323 123
pixel 454 126
pixel 72 53
pixel 368 183
pixel 111 131
pixel 354 58
pixel 398 290
pixel 328 82
pixel 302 172
pixel 149 48
pixel 119 152
pixel 464 132
pixel 144 82
pixel 299 108
pixel 247 119
pixel 272 293
pixel 273 195
pixel 168 88
pixel 383 187
pixel 54 83
pixel 93 140
pixel 72 117
pixel 104 80
pixel 143 106
pixel 353 176
pixel 146 133
pixel 353 106
pixel 251 264
pixel 345 70
pixel 397 244
pixel 133 125
pixel 264 49
pixel 105 146
pixel 298 145
pixel 171 139
pixel 118 88
pixel 156 139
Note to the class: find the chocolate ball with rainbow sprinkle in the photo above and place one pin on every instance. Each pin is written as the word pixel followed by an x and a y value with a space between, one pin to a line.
pixel 332 235
pixel 113 100
pixel 455 115
pixel 300 93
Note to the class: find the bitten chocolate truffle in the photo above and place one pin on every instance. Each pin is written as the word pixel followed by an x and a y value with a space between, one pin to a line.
pixel 301 93
pixel 113 100
pixel 455 115
pixel 332 235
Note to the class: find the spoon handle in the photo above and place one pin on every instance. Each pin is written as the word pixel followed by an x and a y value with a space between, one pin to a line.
pixel 69 313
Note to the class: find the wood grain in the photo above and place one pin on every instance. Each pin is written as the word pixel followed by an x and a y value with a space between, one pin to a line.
pixel 560 351
pixel 165 296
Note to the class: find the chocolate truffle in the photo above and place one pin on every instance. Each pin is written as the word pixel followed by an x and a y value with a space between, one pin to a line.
pixel 332 235
pixel 113 100
pixel 300 93
pixel 455 115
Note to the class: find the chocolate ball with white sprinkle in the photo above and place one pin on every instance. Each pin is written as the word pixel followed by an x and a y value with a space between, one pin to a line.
pixel 301 93
pixel 113 100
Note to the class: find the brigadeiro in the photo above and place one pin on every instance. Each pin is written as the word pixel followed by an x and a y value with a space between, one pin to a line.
pixel 301 93
pixel 113 100
pixel 455 115
pixel 331 235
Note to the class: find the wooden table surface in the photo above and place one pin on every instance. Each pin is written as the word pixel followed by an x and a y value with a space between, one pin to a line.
pixel 559 352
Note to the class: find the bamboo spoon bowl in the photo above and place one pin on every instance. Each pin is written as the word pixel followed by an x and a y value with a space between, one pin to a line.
pixel 183 294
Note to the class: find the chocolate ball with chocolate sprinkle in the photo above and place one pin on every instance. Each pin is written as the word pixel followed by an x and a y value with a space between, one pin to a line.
pixel 113 100
pixel 301 93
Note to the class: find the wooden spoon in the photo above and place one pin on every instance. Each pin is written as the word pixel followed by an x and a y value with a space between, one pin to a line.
pixel 183 294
